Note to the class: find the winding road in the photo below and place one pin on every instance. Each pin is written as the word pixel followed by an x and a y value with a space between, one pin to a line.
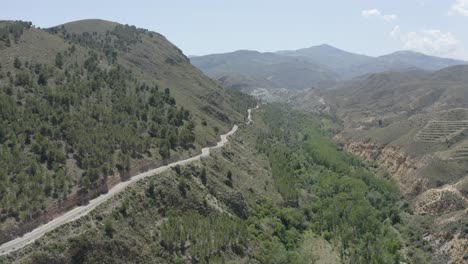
pixel 81 211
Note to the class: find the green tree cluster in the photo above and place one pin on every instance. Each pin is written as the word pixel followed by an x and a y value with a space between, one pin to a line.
pixel 98 118
pixel 209 236
pixel 351 207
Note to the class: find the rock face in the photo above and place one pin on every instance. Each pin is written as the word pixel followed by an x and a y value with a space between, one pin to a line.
pixel 402 167
pixel 454 248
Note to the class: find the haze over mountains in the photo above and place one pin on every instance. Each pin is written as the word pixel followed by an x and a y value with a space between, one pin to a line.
pixel 265 69
pixel 320 66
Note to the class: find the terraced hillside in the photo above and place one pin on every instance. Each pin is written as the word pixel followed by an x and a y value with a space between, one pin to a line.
pixel 441 131
pixel 458 151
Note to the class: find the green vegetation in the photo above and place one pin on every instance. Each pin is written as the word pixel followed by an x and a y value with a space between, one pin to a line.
pixel 203 213
pixel 69 122
pixel 118 39
pixel 345 203
pixel 208 236
pixel 100 118
pixel 80 108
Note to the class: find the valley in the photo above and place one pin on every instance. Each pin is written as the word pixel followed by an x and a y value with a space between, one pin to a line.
pixel 262 203
pixel 116 147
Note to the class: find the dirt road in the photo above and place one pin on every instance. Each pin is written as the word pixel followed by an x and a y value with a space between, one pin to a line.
pixel 78 212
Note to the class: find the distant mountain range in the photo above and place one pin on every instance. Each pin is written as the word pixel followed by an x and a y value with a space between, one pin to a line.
pixel 245 68
pixel 320 66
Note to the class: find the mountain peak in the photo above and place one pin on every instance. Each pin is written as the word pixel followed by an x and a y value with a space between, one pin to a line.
pixel 405 53
pixel 325 45
pixel 89 25
pixel 328 55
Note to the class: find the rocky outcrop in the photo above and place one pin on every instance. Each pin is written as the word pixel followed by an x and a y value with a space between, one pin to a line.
pixel 453 247
pixel 440 200
pixel 401 166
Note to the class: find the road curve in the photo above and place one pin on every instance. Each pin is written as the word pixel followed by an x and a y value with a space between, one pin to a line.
pixel 81 211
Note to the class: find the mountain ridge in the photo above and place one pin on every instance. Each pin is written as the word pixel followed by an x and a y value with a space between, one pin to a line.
pixel 323 67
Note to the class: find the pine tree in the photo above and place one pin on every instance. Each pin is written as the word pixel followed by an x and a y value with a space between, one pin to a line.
pixel 59 60
pixel 203 178
pixel 17 63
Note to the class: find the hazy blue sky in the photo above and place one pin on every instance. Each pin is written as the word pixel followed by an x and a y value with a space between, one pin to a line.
pixel 372 27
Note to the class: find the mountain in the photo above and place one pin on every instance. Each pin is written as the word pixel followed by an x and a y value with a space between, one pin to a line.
pixel 329 56
pixel 86 105
pixel 420 60
pixel 275 75
pixel 265 70
pixel 351 65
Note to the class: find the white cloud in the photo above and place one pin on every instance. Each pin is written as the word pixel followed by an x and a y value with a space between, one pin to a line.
pixel 421 2
pixel 395 32
pixel 371 13
pixel 433 42
pixel 460 7
pixel 389 17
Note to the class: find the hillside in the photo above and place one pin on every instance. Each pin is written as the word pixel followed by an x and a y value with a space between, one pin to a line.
pixel 414 125
pixel 86 105
pixel 398 95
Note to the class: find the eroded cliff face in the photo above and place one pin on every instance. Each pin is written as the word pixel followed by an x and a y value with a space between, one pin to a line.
pixel 402 167
pixel 453 247
pixel 437 202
